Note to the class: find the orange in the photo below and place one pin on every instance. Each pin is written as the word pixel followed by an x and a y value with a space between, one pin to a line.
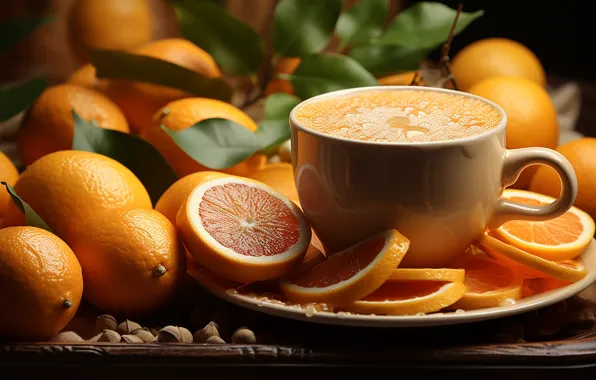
pixel 140 101
pixel 85 76
pixel 68 188
pixel 182 114
pixel 132 260
pixel 41 284
pixel 530 266
pixel 243 230
pixel 8 174
pixel 490 283
pixel 280 176
pixel 283 65
pixel 558 239
pixel 351 274
pixel 402 79
pixel 427 274
pixel 535 286
pixel 49 127
pixel 170 201
pixel 109 24
pixel 582 156
pixel 409 298
pixel 531 115
pixel 493 57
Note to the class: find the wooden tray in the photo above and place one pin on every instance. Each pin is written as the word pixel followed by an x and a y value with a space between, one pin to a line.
pixel 559 337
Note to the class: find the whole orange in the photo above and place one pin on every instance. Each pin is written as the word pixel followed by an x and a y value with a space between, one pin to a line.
pixel 283 65
pixel 109 24
pixel 48 126
pixel 495 57
pixel 132 260
pixel 582 156
pixel 8 174
pixel 85 77
pixel 139 101
pixel 402 79
pixel 531 115
pixel 41 283
pixel 184 113
pixel 279 176
pixel 170 201
pixel 68 188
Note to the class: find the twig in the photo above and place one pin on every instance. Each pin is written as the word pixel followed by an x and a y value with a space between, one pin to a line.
pixel 445 61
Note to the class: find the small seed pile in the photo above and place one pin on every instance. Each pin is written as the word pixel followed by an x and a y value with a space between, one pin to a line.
pixel 108 330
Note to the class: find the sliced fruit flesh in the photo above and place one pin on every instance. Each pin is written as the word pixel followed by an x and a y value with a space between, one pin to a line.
pixel 343 265
pixel 248 220
pixel 540 285
pixel 566 228
pixel 427 274
pixel 486 275
pixel 399 291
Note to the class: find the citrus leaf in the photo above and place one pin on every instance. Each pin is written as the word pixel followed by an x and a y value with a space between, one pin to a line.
pixel 12 31
pixel 304 27
pixel 425 25
pixel 388 59
pixel 361 22
pixel 326 72
pixel 234 46
pixel 16 98
pixel 136 154
pixel 216 143
pixel 31 217
pixel 275 127
pixel 114 64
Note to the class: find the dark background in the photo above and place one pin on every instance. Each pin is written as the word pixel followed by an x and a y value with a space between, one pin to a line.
pixel 560 33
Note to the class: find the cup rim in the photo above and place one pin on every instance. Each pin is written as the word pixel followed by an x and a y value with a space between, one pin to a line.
pixel 294 123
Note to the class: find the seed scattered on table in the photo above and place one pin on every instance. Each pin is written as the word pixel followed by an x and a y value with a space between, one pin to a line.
pixel 211 329
pixel 127 327
pixel 105 322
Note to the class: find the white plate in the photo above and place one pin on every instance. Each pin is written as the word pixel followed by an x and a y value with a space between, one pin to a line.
pixel 219 289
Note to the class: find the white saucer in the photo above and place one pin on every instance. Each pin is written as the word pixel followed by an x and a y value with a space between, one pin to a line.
pixel 222 289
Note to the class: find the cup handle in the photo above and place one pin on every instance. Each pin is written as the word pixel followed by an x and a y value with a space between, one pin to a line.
pixel 516 160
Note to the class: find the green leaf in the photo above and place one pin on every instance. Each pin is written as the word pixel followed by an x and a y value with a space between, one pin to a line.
pixel 388 59
pixel 326 72
pixel 115 64
pixel 425 25
pixel 275 127
pixel 304 27
pixel 12 31
pixel 16 98
pixel 216 143
pixel 236 48
pixel 361 22
pixel 31 217
pixel 136 154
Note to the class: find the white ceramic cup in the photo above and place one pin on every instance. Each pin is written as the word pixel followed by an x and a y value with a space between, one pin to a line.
pixel 441 195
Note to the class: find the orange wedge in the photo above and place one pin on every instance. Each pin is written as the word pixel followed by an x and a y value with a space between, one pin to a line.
pixel 351 274
pixel 558 239
pixel 427 274
pixel 490 283
pixel 242 229
pixel 409 298
pixel 528 264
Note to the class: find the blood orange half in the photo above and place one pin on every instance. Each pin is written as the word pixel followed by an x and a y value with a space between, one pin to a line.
pixel 242 229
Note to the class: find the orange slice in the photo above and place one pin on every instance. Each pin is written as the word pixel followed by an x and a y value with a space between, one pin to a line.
pixel 427 274
pixel 242 229
pixel 534 286
pixel 568 270
pixel 490 283
pixel 351 274
pixel 558 239
pixel 409 298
